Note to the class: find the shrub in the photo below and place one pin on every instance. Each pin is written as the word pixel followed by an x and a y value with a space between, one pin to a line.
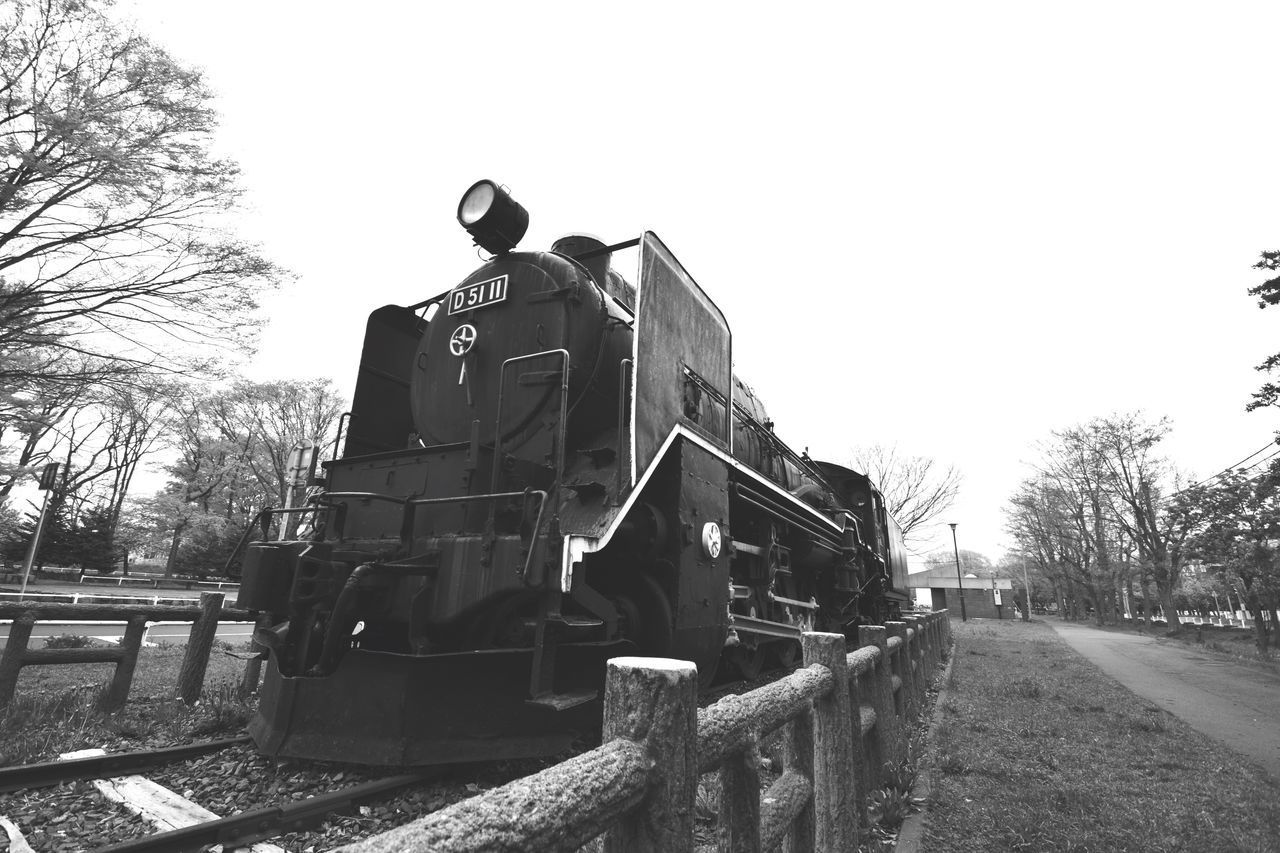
pixel 68 641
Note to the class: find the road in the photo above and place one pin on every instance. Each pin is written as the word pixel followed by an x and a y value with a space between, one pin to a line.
pixel 232 632
pixel 1235 704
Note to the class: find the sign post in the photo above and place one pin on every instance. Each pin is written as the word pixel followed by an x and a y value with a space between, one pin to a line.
pixel 48 477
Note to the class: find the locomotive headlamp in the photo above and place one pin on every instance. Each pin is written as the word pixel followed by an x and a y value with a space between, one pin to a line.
pixel 493 218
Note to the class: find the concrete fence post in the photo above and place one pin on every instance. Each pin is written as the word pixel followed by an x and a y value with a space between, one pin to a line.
pixel 916 653
pixel 117 693
pixel 835 788
pixel 798 755
pixel 15 648
pixel 927 648
pixel 902 669
pixel 888 726
pixel 196 660
pixel 866 759
pixel 654 701
pixel 739 826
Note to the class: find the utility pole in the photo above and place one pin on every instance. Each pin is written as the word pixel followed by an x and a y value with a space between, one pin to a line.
pixel 959 580
pixel 47 479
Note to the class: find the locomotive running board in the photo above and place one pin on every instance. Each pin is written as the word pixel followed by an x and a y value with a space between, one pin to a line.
pixel 754 625
pixel 577 545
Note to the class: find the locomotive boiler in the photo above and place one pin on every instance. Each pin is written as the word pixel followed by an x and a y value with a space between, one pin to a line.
pixel 544 467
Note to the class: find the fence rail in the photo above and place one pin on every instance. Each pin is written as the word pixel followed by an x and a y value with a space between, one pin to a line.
pixel 204 621
pixel 843 717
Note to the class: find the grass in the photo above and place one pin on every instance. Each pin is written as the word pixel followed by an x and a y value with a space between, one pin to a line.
pixel 1037 750
pixel 55 709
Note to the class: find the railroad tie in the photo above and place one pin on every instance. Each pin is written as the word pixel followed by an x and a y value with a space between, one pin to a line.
pixel 162 808
pixel 17 842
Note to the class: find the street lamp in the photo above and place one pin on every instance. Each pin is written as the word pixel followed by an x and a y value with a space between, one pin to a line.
pixel 959 580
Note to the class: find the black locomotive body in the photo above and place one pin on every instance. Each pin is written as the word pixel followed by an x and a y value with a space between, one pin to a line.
pixel 545 468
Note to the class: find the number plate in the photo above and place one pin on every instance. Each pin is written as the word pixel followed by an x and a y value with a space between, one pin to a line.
pixel 478 295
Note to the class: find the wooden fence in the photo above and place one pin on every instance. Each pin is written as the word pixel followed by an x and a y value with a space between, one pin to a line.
pixel 204 621
pixel 845 717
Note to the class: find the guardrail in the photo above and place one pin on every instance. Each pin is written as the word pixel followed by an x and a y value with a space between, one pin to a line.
pixel 845 714
pixel 204 621
pixel 154 582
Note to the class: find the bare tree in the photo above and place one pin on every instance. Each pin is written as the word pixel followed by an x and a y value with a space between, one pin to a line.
pixel 1094 502
pixel 916 488
pixel 111 242
pixel 234 446
pixel 1140 481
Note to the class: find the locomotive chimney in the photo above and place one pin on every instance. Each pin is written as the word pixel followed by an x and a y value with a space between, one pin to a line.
pixel 574 245
pixel 589 251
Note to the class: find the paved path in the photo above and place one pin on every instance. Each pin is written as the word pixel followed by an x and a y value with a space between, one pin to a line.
pixel 1235 704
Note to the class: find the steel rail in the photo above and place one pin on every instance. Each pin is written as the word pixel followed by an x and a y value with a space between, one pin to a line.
pixel 48 773
pixel 260 824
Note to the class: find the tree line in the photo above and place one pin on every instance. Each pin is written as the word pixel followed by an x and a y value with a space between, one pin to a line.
pixel 1105 518
pixel 227 450
pixel 124 296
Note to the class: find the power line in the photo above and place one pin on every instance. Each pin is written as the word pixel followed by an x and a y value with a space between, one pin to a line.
pixel 1229 470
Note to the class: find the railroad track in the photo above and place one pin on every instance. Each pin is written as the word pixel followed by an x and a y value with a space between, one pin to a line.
pixel 282 798
pixel 204 828
pixel 29 776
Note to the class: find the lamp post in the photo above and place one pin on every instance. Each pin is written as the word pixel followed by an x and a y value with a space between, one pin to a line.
pixel 959 580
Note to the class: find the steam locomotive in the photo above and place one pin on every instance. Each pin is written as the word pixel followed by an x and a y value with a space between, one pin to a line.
pixel 546 467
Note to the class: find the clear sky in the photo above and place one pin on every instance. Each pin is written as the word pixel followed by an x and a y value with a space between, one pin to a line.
pixel 953 227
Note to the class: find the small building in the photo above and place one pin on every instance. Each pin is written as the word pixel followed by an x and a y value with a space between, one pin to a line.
pixel 984 598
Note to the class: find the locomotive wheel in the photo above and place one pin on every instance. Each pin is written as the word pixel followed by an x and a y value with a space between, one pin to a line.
pixel 787 652
pixel 644 614
pixel 749 660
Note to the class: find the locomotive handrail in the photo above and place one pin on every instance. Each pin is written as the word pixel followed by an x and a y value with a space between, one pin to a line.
pixel 763 501
pixel 318 503
pixel 411 504
pixel 624 409
pixel 373 496
pixel 346 417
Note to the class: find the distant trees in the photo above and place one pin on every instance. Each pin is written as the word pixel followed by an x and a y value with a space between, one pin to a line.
pixel 233 449
pixel 1094 516
pixel 917 489
pixel 971 562
pixel 229 447
pixel 1234 523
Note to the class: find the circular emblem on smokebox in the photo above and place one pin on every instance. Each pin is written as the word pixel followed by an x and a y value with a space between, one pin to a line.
pixel 463 339
pixel 711 539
